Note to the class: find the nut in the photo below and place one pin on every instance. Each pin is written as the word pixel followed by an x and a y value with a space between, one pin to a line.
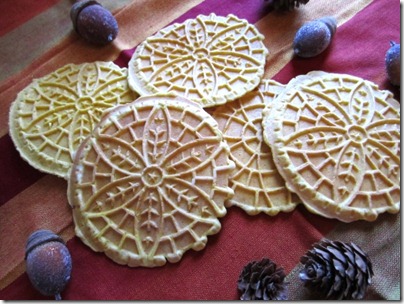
pixel 93 22
pixel 48 262
pixel 314 37
pixel 393 66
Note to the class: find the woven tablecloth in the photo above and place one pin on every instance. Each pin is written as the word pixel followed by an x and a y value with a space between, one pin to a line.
pixel 36 38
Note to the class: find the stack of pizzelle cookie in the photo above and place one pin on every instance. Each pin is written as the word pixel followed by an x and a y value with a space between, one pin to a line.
pixel 149 176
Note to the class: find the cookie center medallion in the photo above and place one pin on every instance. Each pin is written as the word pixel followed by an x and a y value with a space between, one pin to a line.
pixel 152 176
pixel 357 134
pixel 201 53
pixel 84 103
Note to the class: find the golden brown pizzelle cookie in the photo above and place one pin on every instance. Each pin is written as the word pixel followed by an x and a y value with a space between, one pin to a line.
pixel 210 59
pixel 257 185
pixel 335 139
pixel 150 182
pixel 52 116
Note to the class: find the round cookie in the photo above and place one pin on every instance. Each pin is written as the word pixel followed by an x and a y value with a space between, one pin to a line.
pixel 257 185
pixel 150 182
pixel 335 139
pixel 52 116
pixel 209 59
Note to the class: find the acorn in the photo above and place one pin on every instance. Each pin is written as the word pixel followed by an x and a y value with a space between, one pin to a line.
pixel 393 66
pixel 48 262
pixel 93 22
pixel 313 37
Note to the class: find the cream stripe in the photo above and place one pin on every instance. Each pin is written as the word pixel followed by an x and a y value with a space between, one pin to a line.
pixel 381 241
pixel 42 206
pixel 279 29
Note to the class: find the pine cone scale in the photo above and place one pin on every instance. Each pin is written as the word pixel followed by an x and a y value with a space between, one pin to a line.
pixel 338 270
pixel 262 280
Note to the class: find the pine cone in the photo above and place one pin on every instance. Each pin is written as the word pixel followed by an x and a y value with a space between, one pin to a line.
pixel 262 280
pixel 337 270
pixel 286 5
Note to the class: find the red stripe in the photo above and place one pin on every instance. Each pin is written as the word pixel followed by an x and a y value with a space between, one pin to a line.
pixel 16 174
pixel 211 274
pixel 15 13
pixel 352 50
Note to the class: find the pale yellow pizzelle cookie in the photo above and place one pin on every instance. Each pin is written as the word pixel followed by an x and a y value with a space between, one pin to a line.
pixel 52 116
pixel 335 139
pixel 257 185
pixel 151 181
pixel 210 60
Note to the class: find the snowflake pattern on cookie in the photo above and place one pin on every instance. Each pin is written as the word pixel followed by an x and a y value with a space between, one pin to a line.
pixel 151 181
pixel 209 59
pixel 54 114
pixel 336 140
pixel 257 185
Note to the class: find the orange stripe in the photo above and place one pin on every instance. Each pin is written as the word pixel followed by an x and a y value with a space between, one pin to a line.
pixel 42 206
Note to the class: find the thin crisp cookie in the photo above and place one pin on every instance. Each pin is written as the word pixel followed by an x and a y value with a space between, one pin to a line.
pixel 52 116
pixel 150 182
pixel 257 185
pixel 210 60
pixel 335 139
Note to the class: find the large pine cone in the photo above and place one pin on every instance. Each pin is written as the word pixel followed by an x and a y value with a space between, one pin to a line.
pixel 262 280
pixel 337 270
pixel 286 5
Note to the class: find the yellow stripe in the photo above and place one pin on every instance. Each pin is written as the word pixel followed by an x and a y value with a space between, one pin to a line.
pixel 280 29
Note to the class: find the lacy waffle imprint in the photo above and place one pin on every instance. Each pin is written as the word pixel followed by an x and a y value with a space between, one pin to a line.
pixel 336 141
pixel 257 185
pixel 54 114
pixel 151 181
pixel 209 59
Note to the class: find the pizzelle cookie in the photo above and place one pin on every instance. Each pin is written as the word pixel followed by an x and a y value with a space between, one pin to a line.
pixel 209 59
pixel 257 185
pixel 335 139
pixel 52 116
pixel 151 181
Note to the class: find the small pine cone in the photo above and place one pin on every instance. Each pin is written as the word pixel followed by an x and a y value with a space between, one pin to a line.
pixel 337 270
pixel 262 280
pixel 286 5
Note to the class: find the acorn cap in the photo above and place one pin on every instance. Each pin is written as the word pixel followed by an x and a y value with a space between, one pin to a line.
pixel 77 8
pixel 330 22
pixel 40 237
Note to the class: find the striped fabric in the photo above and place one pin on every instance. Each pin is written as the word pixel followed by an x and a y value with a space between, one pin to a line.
pixel 36 37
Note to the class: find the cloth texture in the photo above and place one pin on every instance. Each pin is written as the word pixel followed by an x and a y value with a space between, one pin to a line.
pixel 37 37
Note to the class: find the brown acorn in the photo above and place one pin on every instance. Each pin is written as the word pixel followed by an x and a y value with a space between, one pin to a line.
pixel 48 262
pixel 93 22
